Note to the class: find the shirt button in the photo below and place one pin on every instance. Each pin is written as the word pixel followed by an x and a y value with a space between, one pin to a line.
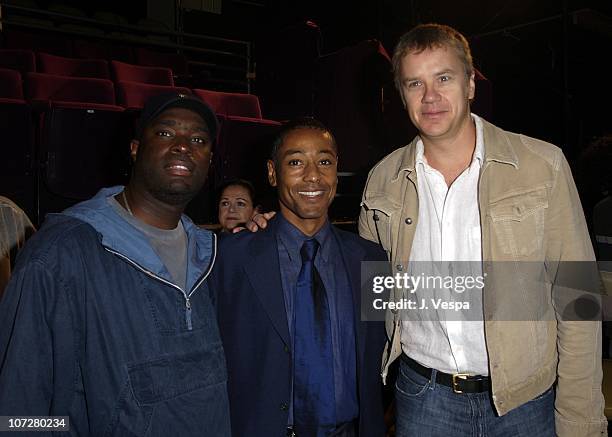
pixel 284 406
pixel 408 221
pixel 376 218
pixel 286 348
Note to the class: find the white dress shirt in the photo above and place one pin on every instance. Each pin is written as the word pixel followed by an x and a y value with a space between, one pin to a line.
pixel 448 229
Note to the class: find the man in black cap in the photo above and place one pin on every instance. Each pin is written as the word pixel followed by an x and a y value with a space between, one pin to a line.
pixel 107 319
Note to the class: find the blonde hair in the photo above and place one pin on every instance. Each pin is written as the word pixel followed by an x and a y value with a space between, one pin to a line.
pixel 428 36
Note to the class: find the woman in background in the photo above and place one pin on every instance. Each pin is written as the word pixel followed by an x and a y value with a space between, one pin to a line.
pixel 236 203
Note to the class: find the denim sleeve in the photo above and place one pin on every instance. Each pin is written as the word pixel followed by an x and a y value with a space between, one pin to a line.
pixel 36 335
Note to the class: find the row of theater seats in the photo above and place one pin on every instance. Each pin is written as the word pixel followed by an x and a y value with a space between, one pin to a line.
pixel 134 84
pixel 27 61
pixel 22 42
pixel 66 137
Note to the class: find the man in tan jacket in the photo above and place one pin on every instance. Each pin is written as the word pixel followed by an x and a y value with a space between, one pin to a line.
pixel 465 190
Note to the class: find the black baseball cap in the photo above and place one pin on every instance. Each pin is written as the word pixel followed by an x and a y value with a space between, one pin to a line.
pixel 157 104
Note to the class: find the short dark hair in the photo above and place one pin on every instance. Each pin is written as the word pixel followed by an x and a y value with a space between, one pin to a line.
pixel 428 36
pixel 298 123
pixel 239 183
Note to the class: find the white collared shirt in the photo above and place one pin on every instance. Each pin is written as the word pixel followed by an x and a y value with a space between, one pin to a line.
pixel 448 229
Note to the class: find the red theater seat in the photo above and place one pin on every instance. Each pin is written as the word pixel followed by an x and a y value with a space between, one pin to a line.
pixel 58 65
pixel 81 143
pixel 47 87
pixel 10 84
pixel 234 104
pixel 135 73
pixel 23 61
pixel 133 95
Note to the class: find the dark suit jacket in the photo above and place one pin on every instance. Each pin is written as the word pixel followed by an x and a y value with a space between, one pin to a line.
pixel 255 333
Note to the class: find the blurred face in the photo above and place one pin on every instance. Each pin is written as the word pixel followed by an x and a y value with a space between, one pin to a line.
pixel 235 207
pixel 436 92
pixel 172 158
pixel 305 177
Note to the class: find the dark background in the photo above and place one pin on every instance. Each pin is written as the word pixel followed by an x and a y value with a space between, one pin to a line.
pixel 548 70
pixel 546 59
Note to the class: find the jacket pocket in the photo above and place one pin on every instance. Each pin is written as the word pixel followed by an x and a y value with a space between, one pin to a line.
pixel 180 394
pixel 166 378
pixel 380 212
pixel 518 223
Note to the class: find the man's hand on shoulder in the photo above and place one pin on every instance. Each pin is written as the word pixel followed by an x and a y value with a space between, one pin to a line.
pixel 258 221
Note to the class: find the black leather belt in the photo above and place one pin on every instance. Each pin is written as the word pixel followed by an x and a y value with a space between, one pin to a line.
pixel 459 382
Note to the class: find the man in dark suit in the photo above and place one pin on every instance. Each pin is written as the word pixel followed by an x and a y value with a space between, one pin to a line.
pixel 300 362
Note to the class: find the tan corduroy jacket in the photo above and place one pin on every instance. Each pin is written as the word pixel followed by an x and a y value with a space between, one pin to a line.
pixel 529 212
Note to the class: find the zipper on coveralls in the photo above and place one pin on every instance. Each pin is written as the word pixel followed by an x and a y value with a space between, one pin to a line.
pixel 186 296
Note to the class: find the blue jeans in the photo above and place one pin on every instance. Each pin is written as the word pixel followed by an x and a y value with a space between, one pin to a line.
pixel 428 409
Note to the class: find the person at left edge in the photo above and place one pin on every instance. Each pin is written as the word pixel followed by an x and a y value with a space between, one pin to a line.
pixel 107 318
pixel 262 308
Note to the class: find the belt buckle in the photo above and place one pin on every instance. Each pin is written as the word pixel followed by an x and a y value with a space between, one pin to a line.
pixel 456 377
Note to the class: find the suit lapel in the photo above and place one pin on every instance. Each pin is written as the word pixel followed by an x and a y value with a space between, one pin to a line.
pixel 264 275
